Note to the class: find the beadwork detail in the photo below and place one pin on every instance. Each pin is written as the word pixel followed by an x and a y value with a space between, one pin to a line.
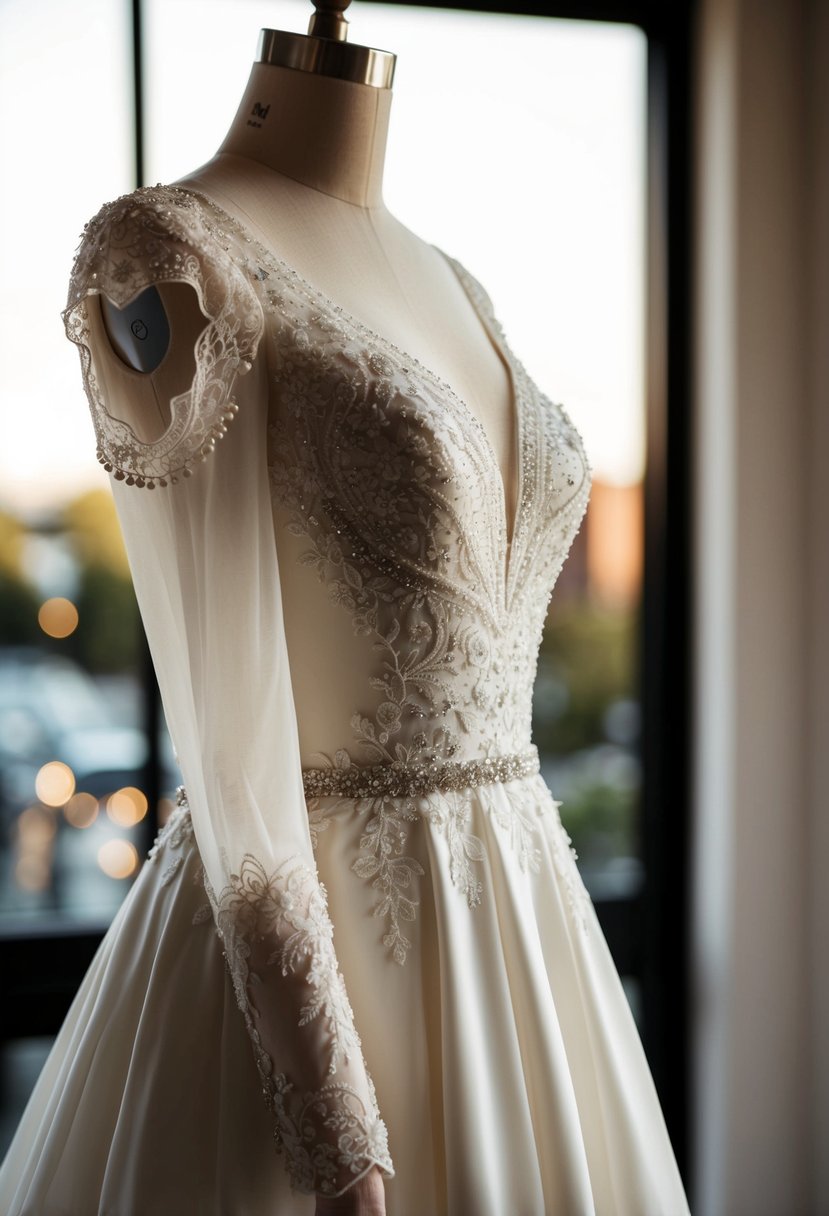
pixel 150 237
pixel 399 780
pixel 177 830
pixel 444 801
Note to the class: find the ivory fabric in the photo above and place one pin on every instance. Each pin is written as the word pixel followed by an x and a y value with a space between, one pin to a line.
pixel 362 937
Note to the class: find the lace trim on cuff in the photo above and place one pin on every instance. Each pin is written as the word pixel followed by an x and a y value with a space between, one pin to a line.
pixel 156 235
pixel 331 1138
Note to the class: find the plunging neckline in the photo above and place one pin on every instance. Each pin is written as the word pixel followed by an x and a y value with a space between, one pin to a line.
pixel 508 529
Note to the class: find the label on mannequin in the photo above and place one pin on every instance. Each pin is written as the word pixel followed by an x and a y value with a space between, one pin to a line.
pixel 259 114
pixel 140 332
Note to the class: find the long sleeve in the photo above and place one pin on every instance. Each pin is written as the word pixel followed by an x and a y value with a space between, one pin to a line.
pixel 186 453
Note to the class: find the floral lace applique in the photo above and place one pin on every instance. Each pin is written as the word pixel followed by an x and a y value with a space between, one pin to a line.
pixel 176 833
pixel 178 829
pixel 329 1135
pixel 393 872
pixel 390 870
pixel 565 859
pixel 290 908
pixel 154 235
pixel 517 820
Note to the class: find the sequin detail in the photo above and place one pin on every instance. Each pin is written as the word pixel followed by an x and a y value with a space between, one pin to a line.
pixel 402 780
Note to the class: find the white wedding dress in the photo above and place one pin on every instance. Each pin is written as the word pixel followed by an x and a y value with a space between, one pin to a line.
pixel 362 936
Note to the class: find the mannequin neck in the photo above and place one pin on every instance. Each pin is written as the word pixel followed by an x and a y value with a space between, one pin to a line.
pixel 326 133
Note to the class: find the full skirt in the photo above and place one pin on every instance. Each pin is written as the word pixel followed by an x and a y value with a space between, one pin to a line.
pixel 507 1064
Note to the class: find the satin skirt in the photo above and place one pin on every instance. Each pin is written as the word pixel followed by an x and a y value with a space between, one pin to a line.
pixel 507 1064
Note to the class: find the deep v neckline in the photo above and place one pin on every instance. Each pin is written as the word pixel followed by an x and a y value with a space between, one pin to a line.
pixel 508 529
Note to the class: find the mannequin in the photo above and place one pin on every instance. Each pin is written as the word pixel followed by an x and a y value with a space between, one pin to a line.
pixel 302 168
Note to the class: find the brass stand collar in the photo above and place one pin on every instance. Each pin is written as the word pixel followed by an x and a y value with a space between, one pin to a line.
pixel 326 51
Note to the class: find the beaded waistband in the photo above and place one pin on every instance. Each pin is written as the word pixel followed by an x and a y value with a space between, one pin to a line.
pixel 399 779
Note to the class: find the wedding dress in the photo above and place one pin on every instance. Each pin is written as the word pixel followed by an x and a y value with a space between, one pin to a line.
pixel 362 936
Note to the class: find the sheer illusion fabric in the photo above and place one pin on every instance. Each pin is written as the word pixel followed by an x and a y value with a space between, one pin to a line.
pixel 346 646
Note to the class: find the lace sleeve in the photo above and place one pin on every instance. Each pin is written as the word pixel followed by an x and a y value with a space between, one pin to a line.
pixel 204 563
pixel 142 240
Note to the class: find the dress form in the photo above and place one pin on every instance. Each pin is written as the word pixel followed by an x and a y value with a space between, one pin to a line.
pixel 301 168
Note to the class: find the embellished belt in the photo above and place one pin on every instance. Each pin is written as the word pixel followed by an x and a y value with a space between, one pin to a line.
pixel 399 779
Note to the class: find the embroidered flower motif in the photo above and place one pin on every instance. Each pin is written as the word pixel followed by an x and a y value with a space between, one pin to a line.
pixel 122 271
pixel 288 908
pixel 565 858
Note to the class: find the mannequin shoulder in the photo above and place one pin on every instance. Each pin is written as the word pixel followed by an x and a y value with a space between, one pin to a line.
pixel 159 267
pixel 141 237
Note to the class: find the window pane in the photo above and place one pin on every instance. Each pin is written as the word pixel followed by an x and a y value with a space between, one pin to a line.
pixel 69 698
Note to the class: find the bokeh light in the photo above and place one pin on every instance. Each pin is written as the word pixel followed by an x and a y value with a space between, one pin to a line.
pixel 36 829
pixel 55 783
pixel 118 858
pixel 127 806
pixel 58 617
pixel 81 810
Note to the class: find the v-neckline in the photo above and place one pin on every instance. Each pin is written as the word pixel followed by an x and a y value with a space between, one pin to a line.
pixel 508 530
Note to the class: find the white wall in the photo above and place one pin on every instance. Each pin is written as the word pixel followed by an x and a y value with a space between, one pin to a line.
pixel 762 608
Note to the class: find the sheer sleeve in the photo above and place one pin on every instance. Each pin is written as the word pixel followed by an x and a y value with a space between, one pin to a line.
pixel 198 528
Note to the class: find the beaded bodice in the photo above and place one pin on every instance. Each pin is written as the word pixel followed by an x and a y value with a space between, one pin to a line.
pixel 403 592
pixel 390 510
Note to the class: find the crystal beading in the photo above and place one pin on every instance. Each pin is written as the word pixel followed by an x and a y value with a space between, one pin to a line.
pixel 405 780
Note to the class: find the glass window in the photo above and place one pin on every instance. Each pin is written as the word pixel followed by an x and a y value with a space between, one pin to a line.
pixel 70 736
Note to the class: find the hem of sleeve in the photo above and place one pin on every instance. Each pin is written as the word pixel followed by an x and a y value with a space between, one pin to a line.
pixel 384 1164
pixel 317 1162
